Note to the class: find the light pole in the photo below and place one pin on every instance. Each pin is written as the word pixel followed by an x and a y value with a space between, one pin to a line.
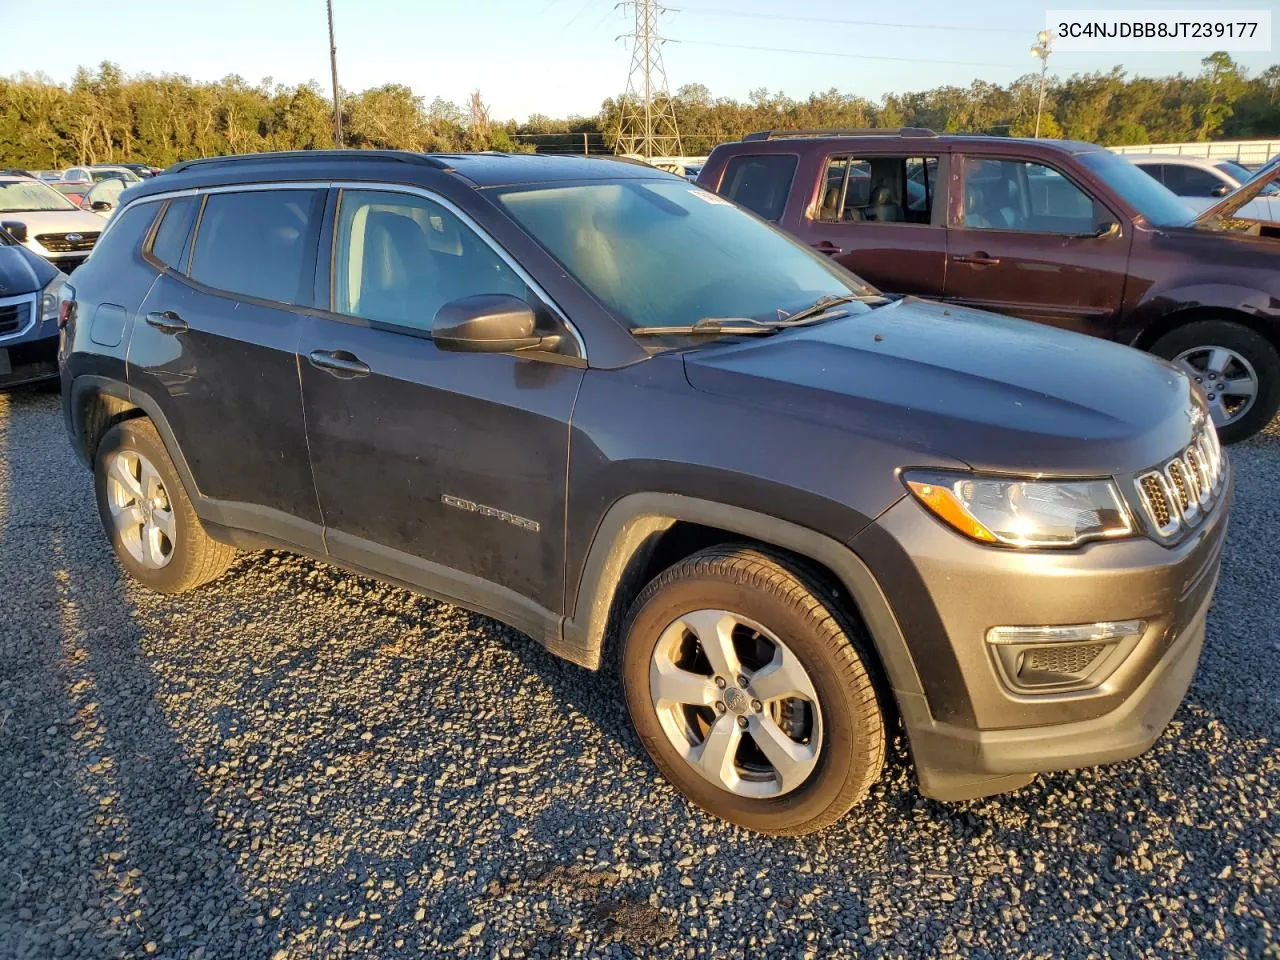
pixel 333 68
pixel 1043 50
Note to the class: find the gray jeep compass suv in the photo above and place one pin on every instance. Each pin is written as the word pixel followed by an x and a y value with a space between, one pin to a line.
pixel 635 422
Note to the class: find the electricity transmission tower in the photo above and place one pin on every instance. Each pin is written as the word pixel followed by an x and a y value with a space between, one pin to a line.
pixel 647 124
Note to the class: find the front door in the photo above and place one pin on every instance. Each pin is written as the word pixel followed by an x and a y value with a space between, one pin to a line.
pixel 1030 242
pixel 215 344
pixel 883 218
pixel 445 470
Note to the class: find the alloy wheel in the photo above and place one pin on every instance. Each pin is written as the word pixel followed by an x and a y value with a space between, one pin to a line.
pixel 1228 381
pixel 736 703
pixel 140 509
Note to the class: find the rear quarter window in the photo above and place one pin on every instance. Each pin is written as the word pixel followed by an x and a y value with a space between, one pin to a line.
pixel 172 239
pixel 760 183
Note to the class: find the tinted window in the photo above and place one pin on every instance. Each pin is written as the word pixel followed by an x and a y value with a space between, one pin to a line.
pixel 170 243
pixel 1025 196
pixel 1153 170
pixel 256 243
pixel 759 183
pixel 1191 181
pixel 400 258
pixel 660 253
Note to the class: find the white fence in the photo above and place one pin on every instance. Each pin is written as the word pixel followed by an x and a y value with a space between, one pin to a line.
pixel 1241 151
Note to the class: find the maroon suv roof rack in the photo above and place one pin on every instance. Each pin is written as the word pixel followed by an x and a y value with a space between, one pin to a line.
pixel 862 132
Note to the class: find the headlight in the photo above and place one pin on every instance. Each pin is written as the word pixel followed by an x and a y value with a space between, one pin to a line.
pixel 1023 513
pixel 49 296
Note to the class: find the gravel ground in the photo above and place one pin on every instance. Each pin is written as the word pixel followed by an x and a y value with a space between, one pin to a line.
pixel 298 762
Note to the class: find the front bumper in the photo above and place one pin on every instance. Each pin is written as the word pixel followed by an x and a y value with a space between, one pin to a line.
pixel 29 361
pixel 971 735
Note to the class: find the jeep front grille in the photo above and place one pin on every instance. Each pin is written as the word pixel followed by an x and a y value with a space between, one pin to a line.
pixel 14 317
pixel 62 242
pixel 1178 494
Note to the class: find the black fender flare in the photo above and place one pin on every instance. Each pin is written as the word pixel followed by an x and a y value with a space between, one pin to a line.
pixel 110 387
pixel 629 529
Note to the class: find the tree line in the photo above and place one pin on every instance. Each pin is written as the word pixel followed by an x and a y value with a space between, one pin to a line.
pixel 104 115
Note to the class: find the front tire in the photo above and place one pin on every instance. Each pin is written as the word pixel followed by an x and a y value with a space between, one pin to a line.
pixel 1237 369
pixel 146 512
pixel 751 694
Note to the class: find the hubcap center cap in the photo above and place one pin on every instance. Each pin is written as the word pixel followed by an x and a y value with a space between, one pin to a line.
pixel 736 701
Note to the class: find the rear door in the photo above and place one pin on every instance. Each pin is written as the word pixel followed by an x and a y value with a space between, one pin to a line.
pixel 1027 240
pixel 215 345
pixel 882 216
pixel 445 470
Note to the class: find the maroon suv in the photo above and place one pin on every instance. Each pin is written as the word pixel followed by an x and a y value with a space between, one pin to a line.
pixel 1061 232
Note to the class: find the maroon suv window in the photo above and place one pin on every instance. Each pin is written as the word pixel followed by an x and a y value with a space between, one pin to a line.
pixel 760 183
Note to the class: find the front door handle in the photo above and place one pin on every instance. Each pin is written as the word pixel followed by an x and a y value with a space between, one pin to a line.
pixel 340 363
pixel 827 247
pixel 167 322
pixel 979 259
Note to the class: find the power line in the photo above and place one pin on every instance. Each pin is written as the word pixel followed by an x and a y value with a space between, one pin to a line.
pixel 856 23
pixel 835 53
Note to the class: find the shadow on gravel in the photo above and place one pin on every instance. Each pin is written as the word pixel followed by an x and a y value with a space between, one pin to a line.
pixel 108 847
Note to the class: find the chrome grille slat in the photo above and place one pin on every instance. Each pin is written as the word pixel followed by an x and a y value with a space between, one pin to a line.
pixel 1181 492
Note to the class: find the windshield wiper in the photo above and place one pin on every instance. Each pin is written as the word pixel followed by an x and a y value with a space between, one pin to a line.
pixel 823 304
pixel 718 326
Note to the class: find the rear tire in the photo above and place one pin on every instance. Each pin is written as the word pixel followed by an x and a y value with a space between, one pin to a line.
pixel 146 512
pixel 1246 355
pixel 799 746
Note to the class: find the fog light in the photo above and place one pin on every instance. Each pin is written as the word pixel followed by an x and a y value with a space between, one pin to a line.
pixel 1106 632
pixel 1056 658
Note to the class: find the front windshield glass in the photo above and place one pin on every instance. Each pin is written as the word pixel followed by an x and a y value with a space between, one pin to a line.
pixel 26 196
pixel 1147 195
pixel 659 253
pixel 1243 175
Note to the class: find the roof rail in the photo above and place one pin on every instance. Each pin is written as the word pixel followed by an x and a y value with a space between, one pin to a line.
pixel 851 132
pixel 402 156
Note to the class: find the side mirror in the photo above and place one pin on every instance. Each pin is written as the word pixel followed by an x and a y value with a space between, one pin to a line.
pixel 101 206
pixel 1221 190
pixel 17 228
pixel 488 323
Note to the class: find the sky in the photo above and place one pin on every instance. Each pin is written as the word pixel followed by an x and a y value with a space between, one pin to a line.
pixel 562 57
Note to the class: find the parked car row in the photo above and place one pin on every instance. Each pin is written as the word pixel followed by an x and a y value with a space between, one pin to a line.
pixel 1068 234
pixel 624 415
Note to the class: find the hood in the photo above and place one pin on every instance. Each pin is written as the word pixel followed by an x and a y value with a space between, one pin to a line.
pixel 56 221
pixel 21 271
pixel 1230 205
pixel 945 383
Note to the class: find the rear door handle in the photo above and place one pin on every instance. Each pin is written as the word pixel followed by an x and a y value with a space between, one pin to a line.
pixel 977 259
pixel 167 322
pixel 340 363
pixel 827 247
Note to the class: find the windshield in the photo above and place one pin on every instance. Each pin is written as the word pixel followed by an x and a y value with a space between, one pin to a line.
pixel 113 172
pixel 1147 195
pixel 660 253
pixel 26 196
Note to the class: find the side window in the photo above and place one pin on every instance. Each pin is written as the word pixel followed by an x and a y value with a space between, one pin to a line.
pixel 760 183
pixel 400 258
pixel 173 238
pixel 879 189
pixel 1154 170
pixel 1025 196
pixel 122 239
pixel 1190 181
pixel 255 243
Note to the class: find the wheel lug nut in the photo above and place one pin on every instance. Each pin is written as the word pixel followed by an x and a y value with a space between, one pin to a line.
pixel 720 706
pixel 757 706
pixel 1213 396
pixel 720 682
pixel 742 681
pixel 742 722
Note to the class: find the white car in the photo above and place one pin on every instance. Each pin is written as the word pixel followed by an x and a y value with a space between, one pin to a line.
pixel 104 196
pixel 47 223
pixel 99 173
pixel 1200 183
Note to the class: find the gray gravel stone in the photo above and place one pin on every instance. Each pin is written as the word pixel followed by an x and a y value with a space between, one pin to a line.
pixel 297 762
